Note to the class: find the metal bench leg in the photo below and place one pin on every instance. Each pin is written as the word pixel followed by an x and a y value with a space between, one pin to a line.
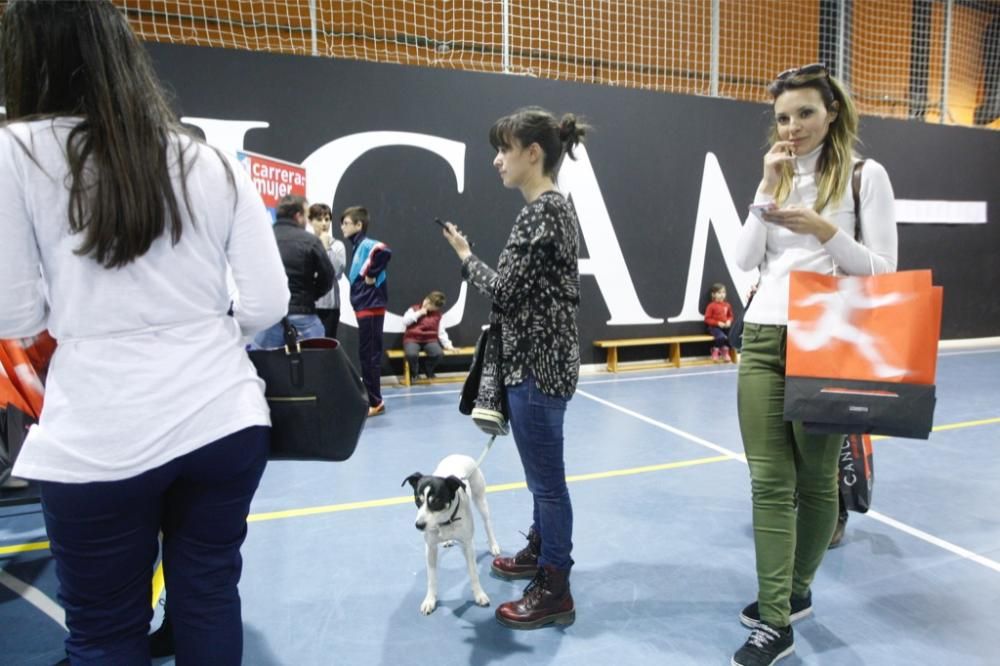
pixel 675 354
pixel 612 359
pixel 406 372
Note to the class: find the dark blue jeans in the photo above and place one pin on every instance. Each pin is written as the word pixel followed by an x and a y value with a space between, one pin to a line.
pixel 370 356
pixel 536 420
pixel 105 542
pixel 721 336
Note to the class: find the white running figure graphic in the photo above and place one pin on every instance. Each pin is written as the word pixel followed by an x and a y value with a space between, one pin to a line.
pixel 836 323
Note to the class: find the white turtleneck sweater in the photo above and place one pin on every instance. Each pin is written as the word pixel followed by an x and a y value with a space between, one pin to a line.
pixel 778 251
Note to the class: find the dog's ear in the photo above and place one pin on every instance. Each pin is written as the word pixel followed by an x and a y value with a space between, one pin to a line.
pixel 454 483
pixel 412 479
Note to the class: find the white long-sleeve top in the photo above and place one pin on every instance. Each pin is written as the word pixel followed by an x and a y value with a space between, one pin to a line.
pixel 411 317
pixel 148 365
pixel 778 251
pixel 338 257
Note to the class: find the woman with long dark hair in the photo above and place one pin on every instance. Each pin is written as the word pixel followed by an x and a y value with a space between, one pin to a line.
pixel 536 292
pixel 117 230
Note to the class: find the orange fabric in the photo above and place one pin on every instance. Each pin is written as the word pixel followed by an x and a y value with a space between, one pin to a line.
pixel 23 364
pixel 882 328
pixel 861 451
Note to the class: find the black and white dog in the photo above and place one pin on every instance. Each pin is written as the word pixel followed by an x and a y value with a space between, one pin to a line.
pixel 444 514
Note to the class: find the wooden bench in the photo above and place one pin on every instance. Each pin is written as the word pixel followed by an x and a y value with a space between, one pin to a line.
pixel 674 343
pixel 407 373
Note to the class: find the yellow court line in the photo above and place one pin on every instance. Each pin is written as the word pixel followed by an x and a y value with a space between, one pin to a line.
pixel 393 501
pixel 157 583
pixel 645 469
pixel 24 547
pixel 949 426
pixel 966 424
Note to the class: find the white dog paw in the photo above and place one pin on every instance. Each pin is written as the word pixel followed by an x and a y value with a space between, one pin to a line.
pixel 482 599
pixel 494 549
pixel 428 605
pixel 449 543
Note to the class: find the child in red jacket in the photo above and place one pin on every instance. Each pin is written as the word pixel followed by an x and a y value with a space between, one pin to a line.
pixel 719 319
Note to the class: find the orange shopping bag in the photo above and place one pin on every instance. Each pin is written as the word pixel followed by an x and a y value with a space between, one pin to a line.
pixel 862 352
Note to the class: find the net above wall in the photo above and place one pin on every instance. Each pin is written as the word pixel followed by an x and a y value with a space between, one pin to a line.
pixel 900 57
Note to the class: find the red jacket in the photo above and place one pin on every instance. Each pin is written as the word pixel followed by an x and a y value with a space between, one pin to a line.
pixel 426 328
pixel 717 313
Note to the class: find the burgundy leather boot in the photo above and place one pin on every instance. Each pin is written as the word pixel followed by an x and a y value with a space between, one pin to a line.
pixel 546 601
pixel 524 564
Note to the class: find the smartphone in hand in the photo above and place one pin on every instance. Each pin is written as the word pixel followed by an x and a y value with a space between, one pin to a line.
pixel 759 209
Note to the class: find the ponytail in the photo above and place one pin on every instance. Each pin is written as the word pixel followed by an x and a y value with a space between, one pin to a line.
pixel 536 125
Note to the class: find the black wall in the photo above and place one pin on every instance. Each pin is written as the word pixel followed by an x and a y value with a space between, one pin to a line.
pixel 648 151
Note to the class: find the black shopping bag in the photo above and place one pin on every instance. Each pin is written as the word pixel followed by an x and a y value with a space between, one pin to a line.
pixel 857 473
pixel 841 406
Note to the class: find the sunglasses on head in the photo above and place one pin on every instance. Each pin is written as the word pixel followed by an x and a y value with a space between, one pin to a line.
pixel 806 70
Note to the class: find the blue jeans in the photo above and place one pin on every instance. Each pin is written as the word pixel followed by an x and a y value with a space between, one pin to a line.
pixel 104 538
pixel 308 326
pixel 536 420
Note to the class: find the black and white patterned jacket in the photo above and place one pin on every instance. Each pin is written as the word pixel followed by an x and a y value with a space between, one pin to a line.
pixel 536 289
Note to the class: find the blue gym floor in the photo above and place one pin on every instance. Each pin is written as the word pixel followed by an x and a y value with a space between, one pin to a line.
pixel 334 569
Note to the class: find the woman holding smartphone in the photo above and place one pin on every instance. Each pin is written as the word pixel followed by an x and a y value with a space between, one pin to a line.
pixel 536 289
pixel 802 219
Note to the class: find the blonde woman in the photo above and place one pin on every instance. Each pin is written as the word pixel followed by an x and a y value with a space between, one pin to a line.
pixel 804 220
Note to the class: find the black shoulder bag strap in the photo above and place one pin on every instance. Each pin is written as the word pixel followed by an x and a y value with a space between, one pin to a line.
pixel 856 189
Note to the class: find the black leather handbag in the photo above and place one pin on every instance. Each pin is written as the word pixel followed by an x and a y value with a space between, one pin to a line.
pixel 318 402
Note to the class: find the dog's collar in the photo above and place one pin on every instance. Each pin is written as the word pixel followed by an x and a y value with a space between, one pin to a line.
pixel 454 514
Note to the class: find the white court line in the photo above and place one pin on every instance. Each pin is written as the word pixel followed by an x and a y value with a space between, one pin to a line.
pixel 892 522
pixel 930 538
pixel 34 596
pixel 650 378
pixel 663 426
pixel 970 351
pixel 613 380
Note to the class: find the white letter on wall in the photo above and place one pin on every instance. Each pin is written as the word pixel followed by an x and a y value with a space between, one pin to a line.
pixel 715 209
pixel 226 135
pixel 606 263
pixel 327 165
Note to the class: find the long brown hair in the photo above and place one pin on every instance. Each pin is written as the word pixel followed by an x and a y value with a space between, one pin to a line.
pixel 81 59
pixel 836 158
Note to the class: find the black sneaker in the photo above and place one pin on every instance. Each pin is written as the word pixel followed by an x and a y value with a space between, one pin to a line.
pixel 801 607
pixel 765 646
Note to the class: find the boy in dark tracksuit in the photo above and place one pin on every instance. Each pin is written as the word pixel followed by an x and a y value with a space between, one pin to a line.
pixel 369 296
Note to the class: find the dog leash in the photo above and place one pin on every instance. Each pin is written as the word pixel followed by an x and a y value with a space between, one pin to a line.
pixel 482 456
